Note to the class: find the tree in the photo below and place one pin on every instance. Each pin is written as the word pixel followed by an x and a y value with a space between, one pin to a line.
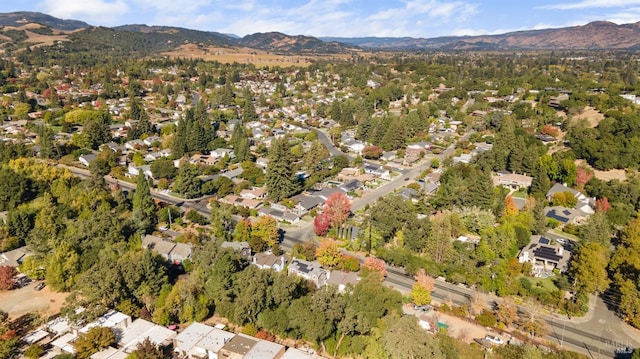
pixel 144 207
pixel 372 152
pixel 377 265
pixel 146 349
pixel 321 224
pixel 589 268
pixel 266 228
pixel 187 182
pixel 34 351
pixel 420 295
pixel 403 338
pixel 7 274
pixel 328 254
pixel 163 168
pixel 337 208
pixel 91 342
pixel 315 156
pixel 280 178
pixel 506 311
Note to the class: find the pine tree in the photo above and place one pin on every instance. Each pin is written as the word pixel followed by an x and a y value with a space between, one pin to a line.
pixel 179 144
pixel 280 177
pixel 240 143
pixel 187 182
pixel 144 207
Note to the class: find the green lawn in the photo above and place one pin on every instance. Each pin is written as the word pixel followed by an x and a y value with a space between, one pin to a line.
pixel 543 283
pixel 520 194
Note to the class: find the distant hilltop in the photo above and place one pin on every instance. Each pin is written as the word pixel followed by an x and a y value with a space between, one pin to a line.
pixel 598 35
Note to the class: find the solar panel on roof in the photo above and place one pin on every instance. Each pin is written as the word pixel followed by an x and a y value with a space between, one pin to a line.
pixel 547 253
pixel 543 240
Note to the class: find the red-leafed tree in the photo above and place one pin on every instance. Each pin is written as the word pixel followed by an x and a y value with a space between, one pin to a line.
pixel 372 152
pixel 321 224
pixel 6 277
pixel 602 204
pixel 337 208
pixel 550 130
pixel 373 264
pixel 583 175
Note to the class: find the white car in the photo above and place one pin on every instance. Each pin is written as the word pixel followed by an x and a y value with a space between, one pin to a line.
pixel 494 339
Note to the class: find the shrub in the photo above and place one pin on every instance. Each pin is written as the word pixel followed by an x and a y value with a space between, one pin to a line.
pixel 486 319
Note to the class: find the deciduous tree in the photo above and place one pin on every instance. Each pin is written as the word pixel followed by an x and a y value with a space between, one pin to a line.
pixel 337 208
pixel 328 254
pixel 321 224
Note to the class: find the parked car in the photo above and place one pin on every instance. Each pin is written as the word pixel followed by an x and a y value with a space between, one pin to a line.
pixel 423 308
pixel 39 286
pixel 494 339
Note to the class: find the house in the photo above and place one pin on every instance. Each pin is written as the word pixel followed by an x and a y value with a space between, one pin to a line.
pixel 255 193
pixel 305 203
pixel 326 192
pixel 243 346
pixel 134 145
pixel 262 162
pixel 293 353
pixel 87 159
pixel 545 255
pixel 463 158
pixel 348 172
pixel 114 146
pixel 15 257
pixel 512 180
pixel 200 341
pixel 279 214
pixel 232 174
pixel 268 260
pixel 342 279
pixel 409 194
pixel 170 251
pixel 585 204
pixel 351 186
pixel 309 271
pixel 356 146
pixel 242 202
pixel 376 170
pixel 222 152
pixel 566 215
pixel 388 156
pixel 140 330
pixel 241 247
pixel 134 170
pixel 149 141
pixel 210 344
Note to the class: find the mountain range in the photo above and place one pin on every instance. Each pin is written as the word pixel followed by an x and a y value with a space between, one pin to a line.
pixel 599 35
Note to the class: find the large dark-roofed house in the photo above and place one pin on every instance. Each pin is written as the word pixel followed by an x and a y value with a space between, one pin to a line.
pixel 544 255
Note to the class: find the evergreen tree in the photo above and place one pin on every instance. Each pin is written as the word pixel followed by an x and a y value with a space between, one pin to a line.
pixel 280 178
pixel 179 144
pixel 187 182
pixel 144 207
pixel 97 130
pixel 240 143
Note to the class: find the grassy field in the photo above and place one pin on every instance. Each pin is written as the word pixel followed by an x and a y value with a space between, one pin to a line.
pixel 247 56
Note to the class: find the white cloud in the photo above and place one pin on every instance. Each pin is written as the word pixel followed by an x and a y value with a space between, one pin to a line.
pixel 591 4
pixel 96 11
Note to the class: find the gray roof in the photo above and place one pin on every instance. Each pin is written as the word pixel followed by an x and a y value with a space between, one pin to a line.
pixel 559 187
pixel 308 202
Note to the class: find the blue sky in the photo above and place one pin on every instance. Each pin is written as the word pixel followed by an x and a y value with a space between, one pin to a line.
pixel 345 18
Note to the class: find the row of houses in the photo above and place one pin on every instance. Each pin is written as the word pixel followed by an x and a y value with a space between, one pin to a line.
pixel 197 341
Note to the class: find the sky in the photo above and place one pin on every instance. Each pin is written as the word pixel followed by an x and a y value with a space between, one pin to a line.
pixel 341 18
